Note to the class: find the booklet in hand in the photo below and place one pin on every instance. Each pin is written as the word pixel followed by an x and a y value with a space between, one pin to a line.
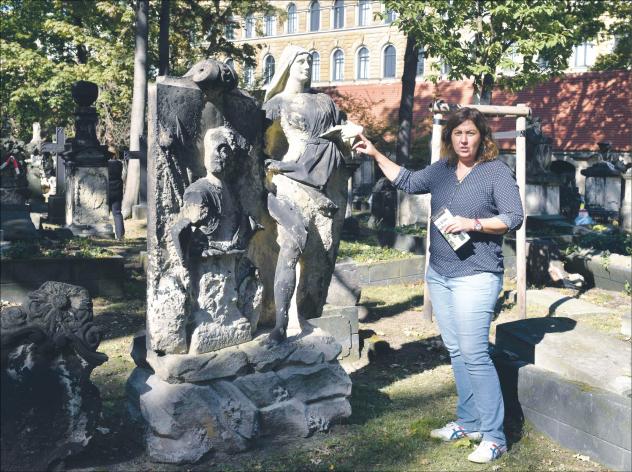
pixel 441 220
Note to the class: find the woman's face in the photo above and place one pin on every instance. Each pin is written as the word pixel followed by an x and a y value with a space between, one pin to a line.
pixel 301 68
pixel 465 140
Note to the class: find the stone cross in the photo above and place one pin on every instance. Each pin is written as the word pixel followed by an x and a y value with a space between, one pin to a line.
pixel 57 148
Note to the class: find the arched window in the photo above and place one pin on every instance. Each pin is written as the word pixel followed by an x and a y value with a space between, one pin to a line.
pixel 339 66
pixel 339 14
pixel 364 12
pixel 315 66
pixel 314 16
pixel 389 61
pixel 268 69
pixel 445 69
pixel 269 25
pixel 250 26
pixel 363 63
pixel 249 76
pixel 292 18
pixel 420 62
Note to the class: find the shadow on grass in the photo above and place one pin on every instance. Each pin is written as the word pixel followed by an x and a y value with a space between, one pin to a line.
pixel 377 311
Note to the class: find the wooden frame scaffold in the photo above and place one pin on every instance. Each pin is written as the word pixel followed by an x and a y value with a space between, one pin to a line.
pixel 521 112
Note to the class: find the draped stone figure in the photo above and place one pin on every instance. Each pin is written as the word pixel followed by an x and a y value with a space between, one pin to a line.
pixel 309 140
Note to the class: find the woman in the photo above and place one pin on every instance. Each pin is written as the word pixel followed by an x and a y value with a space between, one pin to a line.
pixel 482 194
pixel 309 185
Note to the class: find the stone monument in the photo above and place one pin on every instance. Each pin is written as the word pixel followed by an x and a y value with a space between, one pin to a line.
pixel 87 212
pixel 208 376
pixel 57 198
pixel 543 186
pixel 14 212
pixel 50 408
pixel 603 186
pixel 626 205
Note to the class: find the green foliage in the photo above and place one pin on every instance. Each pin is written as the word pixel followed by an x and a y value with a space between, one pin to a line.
pixel 479 38
pixel 627 288
pixel 82 248
pixel 621 30
pixel 616 242
pixel 48 45
pixel 363 253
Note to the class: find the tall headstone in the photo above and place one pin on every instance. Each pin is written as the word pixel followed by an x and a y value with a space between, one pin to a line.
pixel 603 187
pixel 626 205
pixel 543 186
pixel 208 377
pixel 57 201
pixel 15 219
pixel 87 212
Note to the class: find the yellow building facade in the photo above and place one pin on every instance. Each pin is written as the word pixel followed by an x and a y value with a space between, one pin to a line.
pixel 349 41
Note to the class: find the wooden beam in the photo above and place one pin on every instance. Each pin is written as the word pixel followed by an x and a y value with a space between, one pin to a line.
pixel 493 110
pixel 437 127
pixel 521 234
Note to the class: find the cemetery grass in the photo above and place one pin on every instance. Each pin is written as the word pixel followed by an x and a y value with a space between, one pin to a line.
pixel 403 391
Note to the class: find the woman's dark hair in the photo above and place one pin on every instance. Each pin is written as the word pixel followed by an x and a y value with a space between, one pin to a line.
pixel 487 150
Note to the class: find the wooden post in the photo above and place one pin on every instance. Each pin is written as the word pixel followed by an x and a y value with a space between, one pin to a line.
pixel 521 234
pixel 437 127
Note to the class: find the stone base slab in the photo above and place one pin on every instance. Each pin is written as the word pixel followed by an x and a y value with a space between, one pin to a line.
pixel 341 322
pixel 226 400
pixel 588 420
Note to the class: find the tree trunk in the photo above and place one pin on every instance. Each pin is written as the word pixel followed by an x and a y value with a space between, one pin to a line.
pixel 404 133
pixel 139 97
pixel 163 40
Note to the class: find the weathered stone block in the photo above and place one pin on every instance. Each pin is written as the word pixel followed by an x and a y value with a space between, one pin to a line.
pixel 309 384
pixel 262 388
pixel 321 415
pixel 344 288
pixel 178 368
pixel 285 419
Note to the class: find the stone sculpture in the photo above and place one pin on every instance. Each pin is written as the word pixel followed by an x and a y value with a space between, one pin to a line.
pixel 208 377
pixel 309 139
pixel 48 352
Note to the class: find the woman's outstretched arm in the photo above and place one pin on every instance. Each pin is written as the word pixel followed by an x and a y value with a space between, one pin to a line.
pixel 388 167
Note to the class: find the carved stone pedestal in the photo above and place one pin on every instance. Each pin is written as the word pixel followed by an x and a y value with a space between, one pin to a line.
pixel 224 400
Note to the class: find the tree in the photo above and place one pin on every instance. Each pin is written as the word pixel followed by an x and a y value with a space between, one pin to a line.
pixel 139 100
pixel 405 119
pixel 46 46
pixel 621 31
pixel 163 38
pixel 508 43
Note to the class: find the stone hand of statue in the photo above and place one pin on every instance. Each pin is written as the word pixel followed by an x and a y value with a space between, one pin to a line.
pixel 274 166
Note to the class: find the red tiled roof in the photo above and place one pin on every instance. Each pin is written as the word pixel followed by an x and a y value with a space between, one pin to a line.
pixel 577 110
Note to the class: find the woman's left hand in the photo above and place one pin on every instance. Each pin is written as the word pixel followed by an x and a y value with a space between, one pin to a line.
pixel 459 224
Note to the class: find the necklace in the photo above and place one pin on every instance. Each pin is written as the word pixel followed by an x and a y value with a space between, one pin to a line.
pixel 466 174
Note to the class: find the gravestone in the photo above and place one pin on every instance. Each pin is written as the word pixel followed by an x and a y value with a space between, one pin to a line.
pixel 626 204
pixel 604 186
pixel 50 408
pixel 57 201
pixel 543 186
pixel 87 211
pixel 15 217
pixel 208 376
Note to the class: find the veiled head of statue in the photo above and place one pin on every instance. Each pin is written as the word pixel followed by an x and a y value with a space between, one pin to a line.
pixel 218 152
pixel 295 64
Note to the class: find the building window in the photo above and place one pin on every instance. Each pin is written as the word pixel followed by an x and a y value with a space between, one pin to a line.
pixel 250 26
pixel 339 66
pixel 314 16
pixel 269 23
pixel 315 66
pixel 445 69
pixel 420 62
pixel 268 70
pixel 364 12
pixel 583 55
pixel 363 63
pixel 389 61
pixel 339 14
pixel 292 18
pixel 229 30
pixel 390 16
pixel 249 76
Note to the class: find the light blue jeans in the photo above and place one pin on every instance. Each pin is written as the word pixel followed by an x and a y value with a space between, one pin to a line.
pixel 464 307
